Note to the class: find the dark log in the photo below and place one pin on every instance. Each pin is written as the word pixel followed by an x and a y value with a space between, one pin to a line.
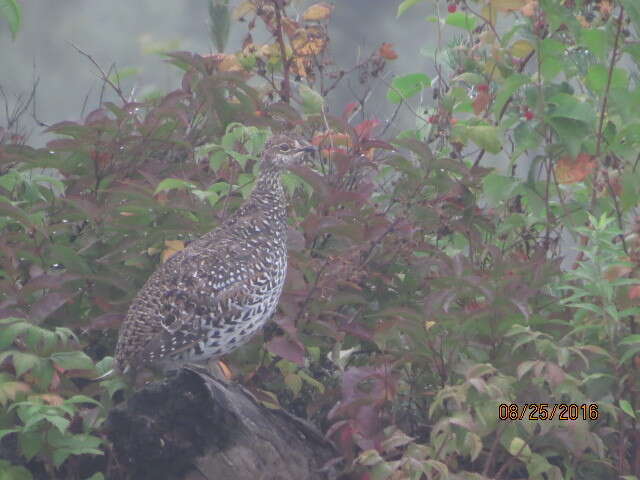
pixel 193 427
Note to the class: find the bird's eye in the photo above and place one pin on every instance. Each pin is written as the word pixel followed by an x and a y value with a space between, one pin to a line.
pixel 284 147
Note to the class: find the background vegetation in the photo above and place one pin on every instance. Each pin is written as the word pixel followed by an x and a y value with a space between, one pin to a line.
pixel 425 286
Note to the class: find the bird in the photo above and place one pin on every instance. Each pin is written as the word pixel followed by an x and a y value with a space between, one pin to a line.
pixel 211 297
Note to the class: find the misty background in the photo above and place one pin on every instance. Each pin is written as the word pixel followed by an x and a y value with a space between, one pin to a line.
pixel 129 35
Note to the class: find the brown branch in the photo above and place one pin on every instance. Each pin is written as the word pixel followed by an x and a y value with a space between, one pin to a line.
pixel 285 91
pixel 103 76
pixel 612 64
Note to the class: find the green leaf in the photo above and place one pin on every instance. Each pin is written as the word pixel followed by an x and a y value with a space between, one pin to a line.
pixel 568 106
pixel 13 472
pixel 68 257
pixel 75 360
pixel 173 184
pixel 633 10
pixel 461 20
pixel 11 11
pixel 30 444
pixel 598 74
pixel 7 431
pixel 550 54
pixel 407 86
pixel 96 476
pixel 498 188
pixel 595 40
pixel 571 132
pixel 627 408
pixel 629 354
pixel 312 101
pixel 9 334
pixel 23 362
pixel 293 382
pixel 220 23
pixel 406 5
pixel 485 136
pixel 630 339
pixel 518 447
pixel 59 422
pixel 508 88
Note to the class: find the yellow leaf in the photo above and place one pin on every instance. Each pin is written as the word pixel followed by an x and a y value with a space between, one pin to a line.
pixel 521 48
pixel 9 390
pixel 507 5
pixel 241 10
pixel 173 247
pixel 529 10
pixel 319 11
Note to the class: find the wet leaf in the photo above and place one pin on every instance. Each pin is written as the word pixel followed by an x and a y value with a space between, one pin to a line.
pixel 286 348
pixel 572 170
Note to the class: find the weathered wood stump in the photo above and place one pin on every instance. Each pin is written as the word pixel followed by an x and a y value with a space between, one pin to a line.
pixel 192 427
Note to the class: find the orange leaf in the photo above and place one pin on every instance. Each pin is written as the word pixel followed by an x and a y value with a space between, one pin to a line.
pixel 386 51
pixel 49 398
pixel 572 170
pixel 173 247
pixel 319 11
pixel 634 292
pixel 309 41
pixel 481 101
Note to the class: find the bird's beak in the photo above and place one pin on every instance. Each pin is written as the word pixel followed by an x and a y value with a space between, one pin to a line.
pixel 306 148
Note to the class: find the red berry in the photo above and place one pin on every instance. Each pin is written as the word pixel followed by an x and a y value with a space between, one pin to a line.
pixel 529 115
pixel 433 119
pixel 451 8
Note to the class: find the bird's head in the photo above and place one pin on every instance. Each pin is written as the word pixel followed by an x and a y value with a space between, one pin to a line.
pixel 281 151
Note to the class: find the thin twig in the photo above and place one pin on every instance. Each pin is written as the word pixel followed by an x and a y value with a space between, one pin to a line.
pixel 103 76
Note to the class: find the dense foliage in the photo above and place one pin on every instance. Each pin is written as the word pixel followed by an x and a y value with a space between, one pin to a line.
pixel 425 287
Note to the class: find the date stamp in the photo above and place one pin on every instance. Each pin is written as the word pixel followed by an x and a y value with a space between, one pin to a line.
pixel 548 411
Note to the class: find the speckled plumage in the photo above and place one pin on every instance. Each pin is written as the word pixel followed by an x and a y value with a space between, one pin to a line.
pixel 211 297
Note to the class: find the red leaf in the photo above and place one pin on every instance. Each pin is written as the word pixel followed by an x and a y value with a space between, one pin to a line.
pixel 386 51
pixel 364 129
pixel 634 292
pixel 349 109
pixel 96 117
pixel 287 349
pixel 47 281
pixel 50 303
pixel 106 321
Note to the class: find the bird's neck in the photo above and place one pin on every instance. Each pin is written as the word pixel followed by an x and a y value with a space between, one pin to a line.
pixel 268 187
pixel 268 194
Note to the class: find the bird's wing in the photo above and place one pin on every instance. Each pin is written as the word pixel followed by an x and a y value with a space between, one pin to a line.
pixel 205 287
